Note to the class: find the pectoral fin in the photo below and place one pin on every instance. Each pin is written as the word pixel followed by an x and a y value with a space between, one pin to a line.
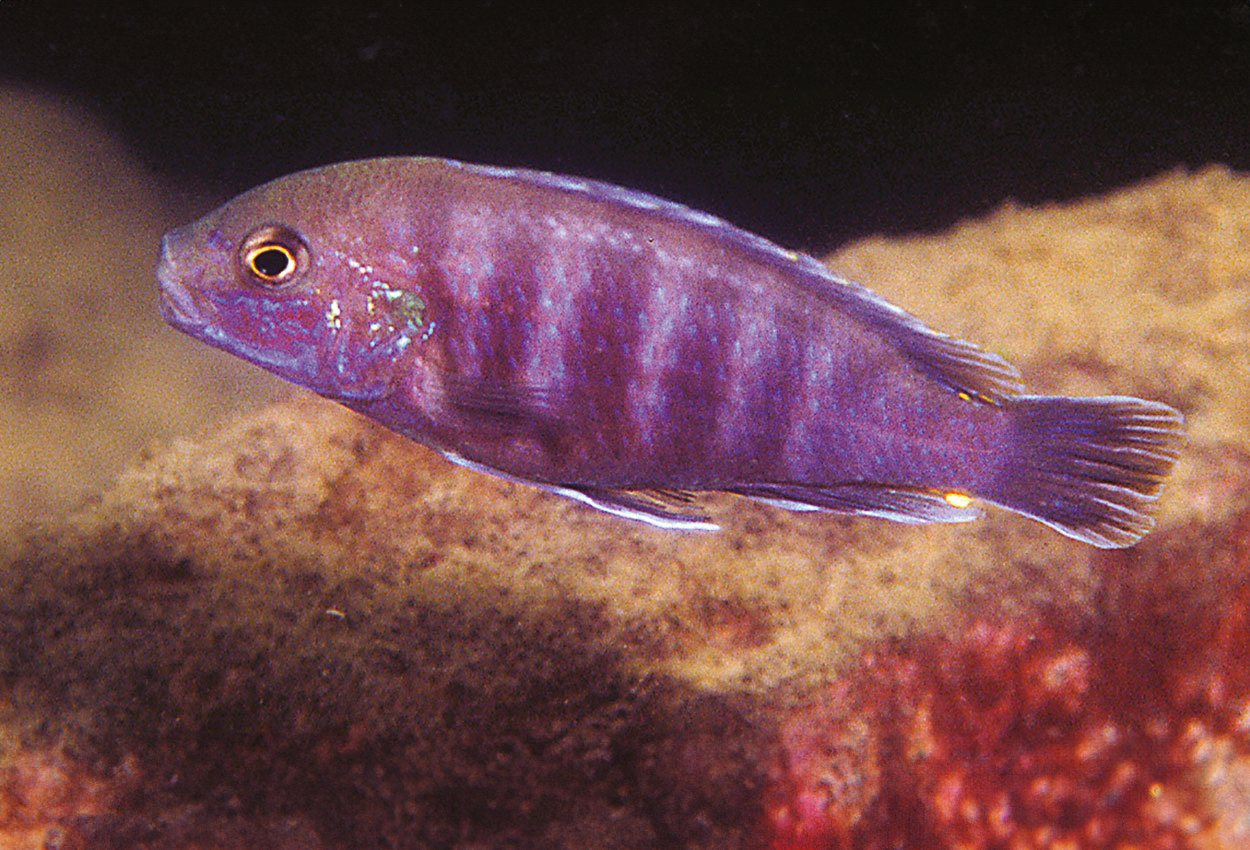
pixel 508 408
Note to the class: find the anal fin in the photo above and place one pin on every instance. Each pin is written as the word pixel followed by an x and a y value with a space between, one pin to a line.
pixel 899 504
pixel 669 509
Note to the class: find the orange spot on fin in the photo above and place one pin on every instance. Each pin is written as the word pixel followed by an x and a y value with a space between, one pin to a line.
pixel 957 500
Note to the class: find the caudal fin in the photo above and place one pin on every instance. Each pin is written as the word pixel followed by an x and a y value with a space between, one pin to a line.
pixel 1088 467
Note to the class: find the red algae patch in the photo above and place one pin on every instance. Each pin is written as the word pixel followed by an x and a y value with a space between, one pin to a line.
pixel 1127 731
pixel 50 800
pixel 43 792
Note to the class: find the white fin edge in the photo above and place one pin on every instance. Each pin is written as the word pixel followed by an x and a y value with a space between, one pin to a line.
pixel 657 520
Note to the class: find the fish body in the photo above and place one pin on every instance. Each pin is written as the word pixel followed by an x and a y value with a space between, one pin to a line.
pixel 628 352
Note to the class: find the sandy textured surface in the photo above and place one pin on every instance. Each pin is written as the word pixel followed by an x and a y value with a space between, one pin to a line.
pixel 295 629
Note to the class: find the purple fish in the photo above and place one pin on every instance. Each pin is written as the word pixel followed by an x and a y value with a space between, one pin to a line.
pixel 628 352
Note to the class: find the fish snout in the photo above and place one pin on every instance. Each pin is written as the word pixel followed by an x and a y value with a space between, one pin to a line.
pixel 178 306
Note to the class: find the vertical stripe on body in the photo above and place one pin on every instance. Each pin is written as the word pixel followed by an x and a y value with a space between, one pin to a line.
pixel 607 270
pixel 556 280
pixel 694 382
pixel 601 350
pixel 489 264
pixel 764 365
pixel 663 300
pixel 839 418
pixel 863 413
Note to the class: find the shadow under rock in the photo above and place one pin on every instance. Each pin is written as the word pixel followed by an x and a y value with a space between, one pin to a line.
pixel 414 724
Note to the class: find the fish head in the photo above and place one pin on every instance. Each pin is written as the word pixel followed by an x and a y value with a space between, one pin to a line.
pixel 287 276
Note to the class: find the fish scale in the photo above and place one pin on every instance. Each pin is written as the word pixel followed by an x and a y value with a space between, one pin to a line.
pixel 623 350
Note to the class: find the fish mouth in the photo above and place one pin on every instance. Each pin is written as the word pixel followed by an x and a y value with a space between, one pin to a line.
pixel 177 305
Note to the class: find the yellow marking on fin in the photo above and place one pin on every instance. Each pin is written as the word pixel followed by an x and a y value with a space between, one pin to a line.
pixel 957 500
pixel 981 397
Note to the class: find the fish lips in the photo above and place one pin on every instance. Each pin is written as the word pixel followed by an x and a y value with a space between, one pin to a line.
pixel 178 307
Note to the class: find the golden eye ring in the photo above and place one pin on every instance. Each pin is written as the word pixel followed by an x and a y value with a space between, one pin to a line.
pixel 273 256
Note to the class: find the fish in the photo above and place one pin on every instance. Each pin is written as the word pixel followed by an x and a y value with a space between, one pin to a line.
pixel 632 354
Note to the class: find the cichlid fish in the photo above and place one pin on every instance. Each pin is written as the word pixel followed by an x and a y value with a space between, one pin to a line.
pixel 627 352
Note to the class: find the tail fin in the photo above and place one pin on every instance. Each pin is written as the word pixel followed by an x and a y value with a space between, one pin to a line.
pixel 1088 467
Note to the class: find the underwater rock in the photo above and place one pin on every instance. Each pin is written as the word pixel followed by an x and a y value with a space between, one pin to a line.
pixel 303 631
pixel 306 620
pixel 88 374
pixel 1128 726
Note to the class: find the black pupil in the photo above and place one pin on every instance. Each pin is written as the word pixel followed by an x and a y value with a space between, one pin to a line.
pixel 271 262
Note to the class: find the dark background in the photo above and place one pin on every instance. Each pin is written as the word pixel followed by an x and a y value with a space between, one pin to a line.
pixel 811 123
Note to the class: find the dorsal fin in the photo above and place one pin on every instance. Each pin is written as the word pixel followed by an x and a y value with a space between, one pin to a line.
pixel 967 369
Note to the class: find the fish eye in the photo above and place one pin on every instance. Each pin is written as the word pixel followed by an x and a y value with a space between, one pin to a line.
pixel 273 256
